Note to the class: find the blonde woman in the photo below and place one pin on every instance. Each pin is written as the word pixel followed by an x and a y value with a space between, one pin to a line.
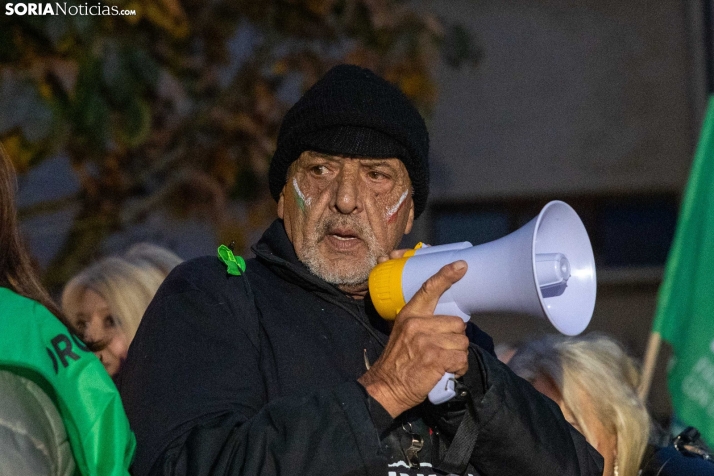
pixel 594 382
pixel 106 301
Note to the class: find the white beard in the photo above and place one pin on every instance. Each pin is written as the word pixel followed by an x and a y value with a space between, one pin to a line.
pixel 355 273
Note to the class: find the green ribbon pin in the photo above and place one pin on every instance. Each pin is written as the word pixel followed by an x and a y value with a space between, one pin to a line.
pixel 235 264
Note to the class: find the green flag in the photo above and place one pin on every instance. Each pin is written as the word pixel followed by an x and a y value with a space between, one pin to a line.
pixel 685 309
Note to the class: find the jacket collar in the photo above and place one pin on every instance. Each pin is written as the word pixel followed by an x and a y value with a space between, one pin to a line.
pixel 276 251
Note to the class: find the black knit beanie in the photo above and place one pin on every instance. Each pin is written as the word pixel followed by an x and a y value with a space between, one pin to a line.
pixel 352 111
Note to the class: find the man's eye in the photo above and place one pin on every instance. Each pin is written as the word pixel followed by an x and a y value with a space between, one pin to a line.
pixel 318 170
pixel 375 175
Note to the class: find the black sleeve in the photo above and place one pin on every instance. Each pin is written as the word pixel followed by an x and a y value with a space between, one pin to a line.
pixel 194 394
pixel 480 338
pixel 503 426
pixel 667 461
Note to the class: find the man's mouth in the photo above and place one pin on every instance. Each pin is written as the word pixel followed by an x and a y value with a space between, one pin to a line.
pixel 342 239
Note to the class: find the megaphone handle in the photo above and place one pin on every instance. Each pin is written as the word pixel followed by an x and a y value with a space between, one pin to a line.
pixel 444 390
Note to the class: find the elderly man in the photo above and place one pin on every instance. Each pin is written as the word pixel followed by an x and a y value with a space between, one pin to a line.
pixel 281 365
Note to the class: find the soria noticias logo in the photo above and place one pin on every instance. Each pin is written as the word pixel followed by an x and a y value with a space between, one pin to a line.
pixel 63 8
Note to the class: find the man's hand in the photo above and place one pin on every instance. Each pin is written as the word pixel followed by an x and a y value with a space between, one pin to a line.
pixel 394 254
pixel 421 348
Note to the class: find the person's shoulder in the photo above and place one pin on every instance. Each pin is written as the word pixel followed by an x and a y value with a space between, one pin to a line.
pixel 18 305
pixel 201 270
pixel 207 274
pixel 202 291
pixel 8 297
pixel 203 266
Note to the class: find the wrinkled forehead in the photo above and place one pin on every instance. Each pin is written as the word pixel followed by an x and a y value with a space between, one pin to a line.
pixel 308 157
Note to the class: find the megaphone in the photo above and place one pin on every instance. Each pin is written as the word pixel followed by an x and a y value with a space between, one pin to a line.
pixel 544 269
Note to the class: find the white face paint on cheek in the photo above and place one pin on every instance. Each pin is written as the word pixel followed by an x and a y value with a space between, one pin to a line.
pixel 392 211
pixel 301 200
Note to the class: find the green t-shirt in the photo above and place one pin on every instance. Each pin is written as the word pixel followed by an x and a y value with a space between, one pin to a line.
pixel 36 345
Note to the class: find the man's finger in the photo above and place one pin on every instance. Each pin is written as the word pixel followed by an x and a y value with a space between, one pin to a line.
pixel 426 298
pixel 434 325
pixel 453 342
pixel 395 254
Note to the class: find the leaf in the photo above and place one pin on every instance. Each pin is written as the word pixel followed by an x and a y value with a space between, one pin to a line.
pixel 459 47
pixel 84 26
pixel 415 84
pixel 23 107
pixel 9 51
pixel 135 124
pixel 174 8
pixel 10 94
pixel 137 7
pixel 143 66
pixel 91 118
pixel 176 26
pixel 66 72
pixel 37 123
pixel 56 28
pixel 19 153
pixel 320 7
pixel 116 76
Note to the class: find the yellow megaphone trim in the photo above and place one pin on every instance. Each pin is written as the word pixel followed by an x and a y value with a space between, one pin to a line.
pixel 385 287
pixel 410 253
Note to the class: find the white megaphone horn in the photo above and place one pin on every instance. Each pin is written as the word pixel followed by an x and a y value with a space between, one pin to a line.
pixel 544 269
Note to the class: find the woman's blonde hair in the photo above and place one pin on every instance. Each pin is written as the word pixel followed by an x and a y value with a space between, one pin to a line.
pixel 152 257
pixel 126 283
pixel 597 367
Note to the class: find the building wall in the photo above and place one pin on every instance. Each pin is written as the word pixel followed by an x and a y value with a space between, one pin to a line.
pixel 569 97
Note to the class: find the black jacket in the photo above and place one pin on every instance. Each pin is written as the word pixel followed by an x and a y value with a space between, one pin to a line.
pixel 684 455
pixel 257 374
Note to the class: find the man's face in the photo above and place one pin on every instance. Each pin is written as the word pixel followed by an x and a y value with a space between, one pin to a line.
pixel 343 213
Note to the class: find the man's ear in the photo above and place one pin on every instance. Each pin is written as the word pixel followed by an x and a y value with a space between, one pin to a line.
pixel 410 221
pixel 281 204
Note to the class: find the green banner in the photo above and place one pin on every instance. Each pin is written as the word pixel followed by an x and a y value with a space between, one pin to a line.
pixel 685 310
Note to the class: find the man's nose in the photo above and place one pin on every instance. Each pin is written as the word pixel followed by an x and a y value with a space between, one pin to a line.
pixel 347 197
